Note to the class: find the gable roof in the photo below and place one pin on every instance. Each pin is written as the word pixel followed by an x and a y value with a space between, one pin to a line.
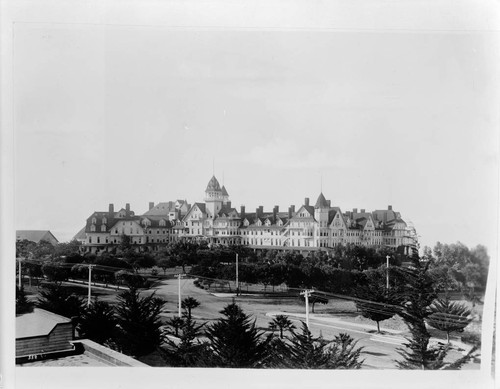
pixel 39 322
pixel 333 212
pixel 80 234
pixel 161 209
pixel 36 236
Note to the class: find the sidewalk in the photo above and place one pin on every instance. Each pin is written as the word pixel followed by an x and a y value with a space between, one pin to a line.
pixel 394 338
pixel 333 320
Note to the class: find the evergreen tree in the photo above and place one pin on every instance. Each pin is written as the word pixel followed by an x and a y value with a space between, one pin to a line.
pixel 174 325
pixel 376 302
pixel 308 352
pixel 235 341
pixel 189 351
pixel 22 303
pixel 57 299
pixel 139 322
pixel 420 293
pixel 449 316
pixel 98 322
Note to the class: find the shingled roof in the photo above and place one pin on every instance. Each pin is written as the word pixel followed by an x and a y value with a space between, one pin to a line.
pixel 321 202
pixel 161 209
pixel 224 191
pixel 213 185
pixel 36 236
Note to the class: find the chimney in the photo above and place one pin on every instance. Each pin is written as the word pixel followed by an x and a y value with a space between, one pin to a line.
pixel 127 209
pixel 275 211
pixel 111 211
pixel 389 207
pixel 151 205
pixel 228 204
pixel 290 212
pixel 261 210
pixel 257 212
pixel 362 211
pixel 242 211
pixel 355 210
pixel 306 201
pixel 329 202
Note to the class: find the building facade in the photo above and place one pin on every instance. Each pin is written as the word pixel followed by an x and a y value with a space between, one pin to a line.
pixel 311 227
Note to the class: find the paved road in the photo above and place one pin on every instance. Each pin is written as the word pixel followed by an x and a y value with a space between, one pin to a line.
pixel 379 350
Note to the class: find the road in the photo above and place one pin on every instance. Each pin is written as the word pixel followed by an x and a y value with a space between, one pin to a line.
pixel 379 351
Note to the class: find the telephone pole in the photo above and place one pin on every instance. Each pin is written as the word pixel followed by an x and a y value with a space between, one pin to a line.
pixel 90 285
pixel 307 293
pixel 237 282
pixel 387 270
pixel 180 302
pixel 20 279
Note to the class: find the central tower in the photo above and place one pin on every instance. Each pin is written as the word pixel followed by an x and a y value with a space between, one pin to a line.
pixel 213 197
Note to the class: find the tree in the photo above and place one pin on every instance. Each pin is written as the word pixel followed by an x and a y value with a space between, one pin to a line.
pixel 175 324
pixel 308 352
pixel 56 272
pixel 22 303
pixel 43 249
pixel 98 322
pixel 374 300
pixel 67 249
pixel 235 341
pixel 418 296
pixel 57 299
pixel 164 263
pixel 189 351
pixel 316 298
pixel 449 316
pixel 25 248
pixel 188 304
pixel 139 322
pixel 281 323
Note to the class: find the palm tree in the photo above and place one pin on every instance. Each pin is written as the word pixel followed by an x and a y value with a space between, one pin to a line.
pixel 190 303
pixel 282 323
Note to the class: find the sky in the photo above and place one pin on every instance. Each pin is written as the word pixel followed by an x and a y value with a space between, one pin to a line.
pixel 132 114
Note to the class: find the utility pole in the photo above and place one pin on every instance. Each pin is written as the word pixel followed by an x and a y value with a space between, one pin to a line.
pixel 307 293
pixel 180 302
pixel 237 282
pixel 20 279
pixel 387 270
pixel 90 287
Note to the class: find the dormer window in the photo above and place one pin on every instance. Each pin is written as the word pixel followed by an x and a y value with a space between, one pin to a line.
pixel 92 228
pixel 104 220
pixel 162 223
pixel 103 228
pixel 94 220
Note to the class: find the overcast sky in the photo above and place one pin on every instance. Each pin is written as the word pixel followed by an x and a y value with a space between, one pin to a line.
pixel 117 114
